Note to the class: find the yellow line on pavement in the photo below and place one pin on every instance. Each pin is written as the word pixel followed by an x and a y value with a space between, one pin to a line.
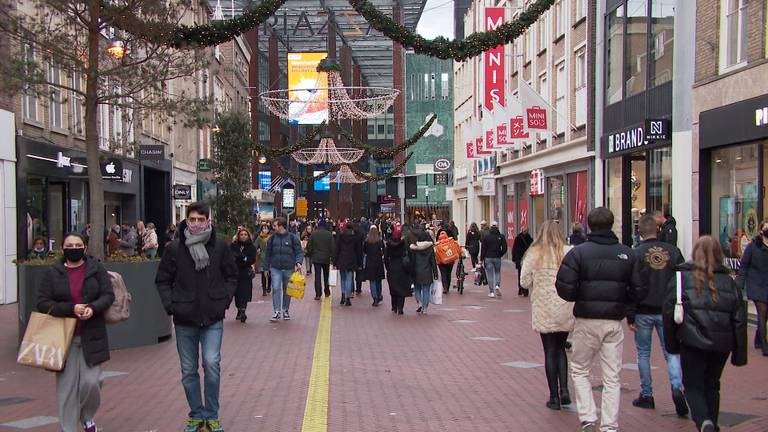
pixel 316 409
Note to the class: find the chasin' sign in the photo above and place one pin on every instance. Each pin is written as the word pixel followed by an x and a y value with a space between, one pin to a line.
pixel 493 62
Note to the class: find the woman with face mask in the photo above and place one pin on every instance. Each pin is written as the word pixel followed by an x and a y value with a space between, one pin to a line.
pixel 78 287
pixel 39 250
pixel 754 274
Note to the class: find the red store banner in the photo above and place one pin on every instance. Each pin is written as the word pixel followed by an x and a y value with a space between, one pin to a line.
pixel 537 117
pixel 471 150
pixel 517 128
pixel 493 62
pixel 501 134
pixel 479 150
pixel 510 221
pixel 577 197
pixel 489 140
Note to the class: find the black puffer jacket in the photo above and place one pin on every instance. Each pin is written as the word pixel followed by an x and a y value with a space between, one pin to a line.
pixel 473 242
pixel 493 245
pixel 602 276
pixel 53 295
pixel 397 275
pixel 197 298
pixel 719 326
pixel 423 267
pixel 658 261
pixel 348 255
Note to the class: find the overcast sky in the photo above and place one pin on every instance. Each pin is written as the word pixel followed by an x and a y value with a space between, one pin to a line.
pixel 437 19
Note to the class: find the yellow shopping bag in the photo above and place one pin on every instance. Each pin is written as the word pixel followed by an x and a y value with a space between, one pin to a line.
pixel 296 286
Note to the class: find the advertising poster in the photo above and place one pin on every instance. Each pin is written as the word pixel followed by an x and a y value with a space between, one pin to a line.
pixel 577 197
pixel 523 203
pixel 727 227
pixel 303 83
pixel 510 221
pixel 324 184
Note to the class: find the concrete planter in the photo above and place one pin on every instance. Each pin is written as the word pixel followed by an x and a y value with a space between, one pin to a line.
pixel 148 324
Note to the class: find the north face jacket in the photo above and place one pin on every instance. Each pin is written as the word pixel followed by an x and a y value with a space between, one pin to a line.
pixel 658 261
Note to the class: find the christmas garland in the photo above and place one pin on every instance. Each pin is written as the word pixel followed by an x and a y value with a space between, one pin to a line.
pixel 183 36
pixel 328 65
pixel 304 179
pixel 305 142
pixel 388 153
pixel 373 178
pixel 473 45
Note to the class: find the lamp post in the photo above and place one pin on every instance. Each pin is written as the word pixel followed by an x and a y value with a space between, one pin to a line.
pixel 116 49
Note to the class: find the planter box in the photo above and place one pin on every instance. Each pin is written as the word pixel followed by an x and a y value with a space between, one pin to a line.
pixel 148 324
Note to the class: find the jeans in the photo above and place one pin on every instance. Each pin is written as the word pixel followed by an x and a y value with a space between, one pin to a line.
pixel 279 285
pixel 321 276
pixel 190 340
pixel 347 282
pixel 644 325
pixel 422 292
pixel 493 271
pixel 701 377
pixel 151 253
pixel 375 289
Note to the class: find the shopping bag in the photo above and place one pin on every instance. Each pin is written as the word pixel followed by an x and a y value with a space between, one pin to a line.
pixel 436 294
pixel 333 277
pixel 46 341
pixel 296 286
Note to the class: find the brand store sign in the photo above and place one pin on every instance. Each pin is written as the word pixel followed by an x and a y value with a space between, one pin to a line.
pixel 736 123
pixel 493 62
pixel 536 182
pixel 442 165
pixel 629 140
pixel 182 192
pixel 151 151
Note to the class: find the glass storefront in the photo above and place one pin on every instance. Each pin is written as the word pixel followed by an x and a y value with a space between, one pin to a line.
pixel 735 195
pixel 556 188
pixel 613 186
pixel 578 184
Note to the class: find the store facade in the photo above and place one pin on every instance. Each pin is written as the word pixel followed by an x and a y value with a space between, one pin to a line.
pixel 733 145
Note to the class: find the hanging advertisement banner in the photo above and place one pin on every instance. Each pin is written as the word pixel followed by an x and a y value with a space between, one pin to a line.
pixel 471 150
pixel 303 83
pixel 493 62
pixel 523 213
pixel 537 182
pixel 517 128
pixel 532 103
pixel 510 221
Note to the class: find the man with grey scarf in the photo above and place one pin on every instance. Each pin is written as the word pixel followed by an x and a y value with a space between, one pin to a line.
pixel 196 280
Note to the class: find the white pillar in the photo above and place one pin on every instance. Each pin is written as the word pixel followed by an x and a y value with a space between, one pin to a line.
pixel 8 251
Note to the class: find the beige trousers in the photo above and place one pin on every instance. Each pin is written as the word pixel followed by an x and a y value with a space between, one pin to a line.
pixel 592 338
pixel 78 390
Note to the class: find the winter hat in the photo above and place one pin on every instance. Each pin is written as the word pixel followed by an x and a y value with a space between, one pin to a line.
pixel 494 224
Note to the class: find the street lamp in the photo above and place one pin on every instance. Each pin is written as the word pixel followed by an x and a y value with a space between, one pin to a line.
pixel 216 129
pixel 262 158
pixel 116 49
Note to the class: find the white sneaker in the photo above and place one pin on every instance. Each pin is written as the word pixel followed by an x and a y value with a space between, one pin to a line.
pixel 498 291
pixel 491 295
pixel 275 317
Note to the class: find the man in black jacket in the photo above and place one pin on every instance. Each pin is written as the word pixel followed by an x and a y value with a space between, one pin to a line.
pixel 667 227
pixel 492 248
pixel 603 278
pixel 196 280
pixel 320 249
pixel 658 261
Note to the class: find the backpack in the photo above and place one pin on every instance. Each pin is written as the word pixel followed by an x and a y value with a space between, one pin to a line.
pixel 121 307
pixel 447 251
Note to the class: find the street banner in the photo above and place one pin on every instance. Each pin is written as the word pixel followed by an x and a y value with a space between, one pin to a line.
pixel 500 119
pixel 480 149
pixel 489 131
pixel 534 108
pixel 493 61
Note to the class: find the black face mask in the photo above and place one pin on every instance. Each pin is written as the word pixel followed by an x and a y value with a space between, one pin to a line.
pixel 74 254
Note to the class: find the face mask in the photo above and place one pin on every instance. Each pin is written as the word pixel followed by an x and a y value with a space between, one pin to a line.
pixel 40 250
pixel 197 227
pixel 765 233
pixel 74 254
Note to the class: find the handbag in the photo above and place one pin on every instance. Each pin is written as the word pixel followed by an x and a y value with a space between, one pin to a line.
pixel 46 342
pixel 333 277
pixel 679 314
pixel 296 285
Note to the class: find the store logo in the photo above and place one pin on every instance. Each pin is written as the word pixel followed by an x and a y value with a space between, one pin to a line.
pixel 626 140
pixel 110 168
pixel 63 161
pixel 656 127
pixel 761 116
pixel 442 164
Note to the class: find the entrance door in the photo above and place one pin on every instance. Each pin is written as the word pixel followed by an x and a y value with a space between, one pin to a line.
pixel 57 211
pixel 638 184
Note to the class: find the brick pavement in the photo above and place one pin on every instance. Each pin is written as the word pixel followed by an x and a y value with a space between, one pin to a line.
pixel 388 373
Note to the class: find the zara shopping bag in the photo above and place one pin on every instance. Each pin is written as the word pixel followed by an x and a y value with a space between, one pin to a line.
pixel 436 293
pixel 46 341
pixel 333 277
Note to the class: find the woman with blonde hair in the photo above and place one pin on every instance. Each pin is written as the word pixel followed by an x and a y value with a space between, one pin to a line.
pixel 552 317
pixel 711 325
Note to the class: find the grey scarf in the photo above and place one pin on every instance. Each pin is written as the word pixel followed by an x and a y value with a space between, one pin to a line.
pixel 196 244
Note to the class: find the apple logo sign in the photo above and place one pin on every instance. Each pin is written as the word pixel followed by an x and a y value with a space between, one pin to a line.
pixel 110 168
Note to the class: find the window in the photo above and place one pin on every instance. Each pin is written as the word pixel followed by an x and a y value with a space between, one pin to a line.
pixel 371 130
pixel 444 90
pixel 390 130
pixel 515 56
pixel 78 104
pixel 614 56
pixel 433 85
pixel 413 85
pixel 542 31
pixel 530 44
pixel 561 118
pixel 581 87
pixel 381 130
pixel 543 87
pixel 560 19
pixel 556 187
pixel 636 61
pixel 426 86
pixel 733 44
pixel 117 123
pixel 54 79
pixel 662 42
pixel 103 126
pixel 581 9
pixel 613 193
pixel 29 100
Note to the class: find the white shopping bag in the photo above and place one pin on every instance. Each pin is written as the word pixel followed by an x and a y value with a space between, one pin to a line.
pixel 333 277
pixel 436 295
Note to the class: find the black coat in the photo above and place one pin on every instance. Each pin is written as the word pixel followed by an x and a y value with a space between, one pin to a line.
pixel 520 247
pixel 473 242
pixel 602 276
pixel 668 232
pixel 53 295
pixel 320 247
pixel 576 239
pixel 719 326
pixel 349 251
pixel 754 270
pixel 493 245
pixel 397 275
pixel 244 255
pixel 658 261
pixel 197 298
pixel 374 261
pixel 423 267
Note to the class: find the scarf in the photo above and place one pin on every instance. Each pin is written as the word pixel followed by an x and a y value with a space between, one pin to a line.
pixel 264 235
pixel 196 244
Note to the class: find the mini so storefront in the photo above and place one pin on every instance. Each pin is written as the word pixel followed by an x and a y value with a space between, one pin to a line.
pixel 733 143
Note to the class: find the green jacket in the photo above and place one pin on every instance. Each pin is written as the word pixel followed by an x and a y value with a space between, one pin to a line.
pixel 320 247
pixel 261 249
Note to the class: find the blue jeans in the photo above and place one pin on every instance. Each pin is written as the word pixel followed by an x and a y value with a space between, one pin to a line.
pixel 644 325
pixel 280 300
pixel 189 341
pixel 421 292
pixel 493 272
pixel 347 282
pixel 375 289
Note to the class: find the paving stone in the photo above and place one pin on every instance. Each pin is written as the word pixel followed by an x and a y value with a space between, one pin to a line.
pixel 487 338
pixel 32 422
pixel 523 365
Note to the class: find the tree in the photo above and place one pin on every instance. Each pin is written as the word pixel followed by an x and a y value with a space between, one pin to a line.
pixel 232 147
pixel 57 45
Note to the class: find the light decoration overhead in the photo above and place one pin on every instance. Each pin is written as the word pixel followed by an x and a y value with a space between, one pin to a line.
pixel 344 102
pixel 345 175
pixel 327 153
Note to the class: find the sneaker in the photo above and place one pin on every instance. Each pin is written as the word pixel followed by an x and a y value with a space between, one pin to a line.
pixel 646 402
pixel 193 425
pixel 498 291
pixel 90 426
pixel 588 427
pixel 708 426
pixel 681 406
pixel 215 426
pixel 276 317
pixel 491 295
pixel 286 316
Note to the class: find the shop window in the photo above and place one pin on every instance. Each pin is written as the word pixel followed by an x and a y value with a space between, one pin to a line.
pixel 662 41
pixel 577 199
pixel 735 197
pixel 556 189
pixel 733 33
pixel 522 205
pixel 613 183
pixel 614 55
pixel 636 61
pixel 660 180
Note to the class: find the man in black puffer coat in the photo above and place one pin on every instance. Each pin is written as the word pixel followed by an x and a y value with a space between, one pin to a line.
pixel 603 278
